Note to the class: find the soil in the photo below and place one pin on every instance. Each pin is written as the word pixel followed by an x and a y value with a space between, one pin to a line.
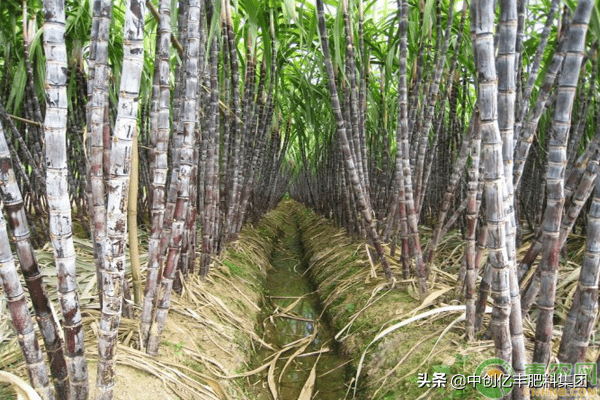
pixel 132 384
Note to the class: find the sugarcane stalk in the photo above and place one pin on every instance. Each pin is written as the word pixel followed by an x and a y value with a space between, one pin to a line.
pixel 159 138
pixel 96 108
pixel 134 253
pixel 357 188
pixel 493 178
pixel 186 137
pixel 59 206
pixel 16 298
pixel 118 191
pixel 555 179
pixel 470 248
pixel 44 313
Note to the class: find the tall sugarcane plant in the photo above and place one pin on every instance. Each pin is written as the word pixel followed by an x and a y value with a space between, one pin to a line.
pixel 59 205
pixel 44 312
pixel 159 139
pixel 555 180
pixel 114 249
pixel 17 300
pixel 187 139
pixel 98 127
pixel 493 179
pixel 357 186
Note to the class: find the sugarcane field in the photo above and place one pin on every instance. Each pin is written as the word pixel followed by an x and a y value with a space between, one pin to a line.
pixel 299 199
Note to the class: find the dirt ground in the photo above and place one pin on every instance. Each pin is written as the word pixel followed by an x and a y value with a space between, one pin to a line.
pixel 133 384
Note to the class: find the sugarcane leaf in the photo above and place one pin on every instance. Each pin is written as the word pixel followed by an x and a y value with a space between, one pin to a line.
pixel 309 385
pixel 271 377
pixel 289 10
pixel 17 90
pixel 24 390
pixel 428 17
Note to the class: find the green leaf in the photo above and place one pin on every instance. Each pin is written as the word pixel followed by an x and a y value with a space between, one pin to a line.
pixel 428 17
pixel 289 10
